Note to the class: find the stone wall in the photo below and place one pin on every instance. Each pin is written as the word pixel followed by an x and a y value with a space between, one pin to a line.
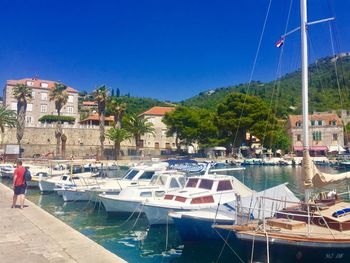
pixel 81 142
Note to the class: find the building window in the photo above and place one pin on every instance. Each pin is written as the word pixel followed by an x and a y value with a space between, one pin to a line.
pixel 156 145
pixel 317 136
pixel 29 107
pixel 14 106
pixel 167 145
pixel 70 109
pixel 43 96
pixel 335 137
pixel 298 137
pixel 43 108
pixel 30 83
pixel 44 85
pixel 298 124
pixel 70 98
pixel 334 122
pixel 29 119
pixel 320 123
pixel 312 123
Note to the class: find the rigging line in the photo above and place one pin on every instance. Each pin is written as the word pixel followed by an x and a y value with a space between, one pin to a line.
pixel 253 69
pixel 227 243
pixel 318 69
pixel 335 66
pixel 336 34
pixel 277 80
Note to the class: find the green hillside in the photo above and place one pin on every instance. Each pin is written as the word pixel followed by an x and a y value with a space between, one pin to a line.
pixel 286 92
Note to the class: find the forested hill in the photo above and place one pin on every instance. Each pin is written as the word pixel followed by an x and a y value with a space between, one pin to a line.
pixel 285 93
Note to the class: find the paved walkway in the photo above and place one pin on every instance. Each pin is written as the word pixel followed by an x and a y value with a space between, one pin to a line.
pixel 32 235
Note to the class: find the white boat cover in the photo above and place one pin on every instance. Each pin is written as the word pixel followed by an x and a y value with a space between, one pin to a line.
pixel 316 179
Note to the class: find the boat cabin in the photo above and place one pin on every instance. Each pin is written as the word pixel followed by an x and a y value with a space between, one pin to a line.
pixel 201 190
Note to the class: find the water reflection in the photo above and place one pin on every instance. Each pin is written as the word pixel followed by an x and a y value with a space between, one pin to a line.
pixel 132 238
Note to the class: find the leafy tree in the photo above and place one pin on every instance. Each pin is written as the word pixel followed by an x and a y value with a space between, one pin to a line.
pixel 112 95
pixel 118 93
pixel 59 95
pixel 55 118
pixel 101 96
pixel 138 127
pixel 117 109
pixel 117 135
pixel 239 114
pixel 23 94
pixel 7 119
pixel 207 134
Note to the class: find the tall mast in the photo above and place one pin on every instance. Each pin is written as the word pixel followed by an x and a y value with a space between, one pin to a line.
pixel 305 100
pixel 304 72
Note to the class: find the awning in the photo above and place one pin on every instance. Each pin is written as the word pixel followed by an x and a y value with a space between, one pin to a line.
pixel 219 148
pixel 311 148
pixel 336 148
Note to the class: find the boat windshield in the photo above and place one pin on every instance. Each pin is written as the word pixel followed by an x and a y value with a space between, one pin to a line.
pixel 192 182
pixel 158 180
pixel 147 175
pixel 206 184
pixel 131 174
pixel 224 185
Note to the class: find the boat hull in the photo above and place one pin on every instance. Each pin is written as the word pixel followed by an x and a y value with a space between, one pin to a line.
pixel 199 229
pixel 296 251
pixel 73 195
pixel 121 206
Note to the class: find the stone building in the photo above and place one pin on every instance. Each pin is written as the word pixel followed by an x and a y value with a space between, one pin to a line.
pixel 158 140
pixel 40 103
pixel 325 133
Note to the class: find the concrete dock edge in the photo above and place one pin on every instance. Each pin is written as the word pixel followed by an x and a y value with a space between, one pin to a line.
pixel 34 235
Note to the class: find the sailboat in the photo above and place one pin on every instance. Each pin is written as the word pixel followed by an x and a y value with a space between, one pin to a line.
pixel 315 230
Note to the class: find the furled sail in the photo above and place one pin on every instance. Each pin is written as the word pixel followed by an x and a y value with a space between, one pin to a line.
pixel 313 178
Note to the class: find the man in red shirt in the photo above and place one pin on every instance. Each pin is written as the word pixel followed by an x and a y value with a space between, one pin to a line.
pixel 19 185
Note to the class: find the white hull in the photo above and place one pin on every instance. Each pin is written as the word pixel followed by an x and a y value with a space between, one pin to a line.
pixel 159 215
pixel 46 186
pixel 74 195
pixel 121 206
pixel 32 183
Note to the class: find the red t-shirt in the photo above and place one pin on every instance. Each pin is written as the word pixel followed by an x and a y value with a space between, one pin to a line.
pixel 20 175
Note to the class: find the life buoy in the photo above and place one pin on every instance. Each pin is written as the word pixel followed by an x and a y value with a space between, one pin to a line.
pixel 321 221
pixel 290 217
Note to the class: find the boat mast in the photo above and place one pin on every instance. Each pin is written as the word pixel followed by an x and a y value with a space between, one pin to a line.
pixel 304 72
pixel 304 84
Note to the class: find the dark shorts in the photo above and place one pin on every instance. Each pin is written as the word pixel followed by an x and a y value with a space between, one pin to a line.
pixel 20 190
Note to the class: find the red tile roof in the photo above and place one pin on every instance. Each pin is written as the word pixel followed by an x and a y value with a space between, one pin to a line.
pixel 95 117
pixel 37 83
pixel 89 103
pixel 326 117
pixel 158 111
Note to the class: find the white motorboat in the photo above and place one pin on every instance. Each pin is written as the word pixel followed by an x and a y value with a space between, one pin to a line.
pixel 197 225
pixel 139 175
pixel 66 180
pixel 7 170
pixel 131 199
pixel 199 192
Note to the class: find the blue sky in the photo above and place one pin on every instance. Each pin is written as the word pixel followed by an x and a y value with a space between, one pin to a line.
pixel 164 49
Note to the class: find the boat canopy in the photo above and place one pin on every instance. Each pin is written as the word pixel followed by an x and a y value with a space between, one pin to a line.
pixel 314 178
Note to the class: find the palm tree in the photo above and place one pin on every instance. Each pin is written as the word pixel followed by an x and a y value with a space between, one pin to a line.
pixel 59 95
pixel 138 127
pixel 118 110
pixel 101 96
pixel 7 118
pixel 117 135
pixel 23 94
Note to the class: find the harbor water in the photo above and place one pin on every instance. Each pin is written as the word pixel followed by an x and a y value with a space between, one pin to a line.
pixel 135 241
